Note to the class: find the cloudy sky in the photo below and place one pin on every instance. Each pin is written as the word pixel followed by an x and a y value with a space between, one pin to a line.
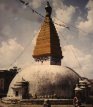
pixel 19 27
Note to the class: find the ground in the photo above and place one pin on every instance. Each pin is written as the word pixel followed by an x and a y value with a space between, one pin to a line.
pixel 29 105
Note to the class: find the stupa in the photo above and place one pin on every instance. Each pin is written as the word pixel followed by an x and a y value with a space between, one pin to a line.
pixel 47 78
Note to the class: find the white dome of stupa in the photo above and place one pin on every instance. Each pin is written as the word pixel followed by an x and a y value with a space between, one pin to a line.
pixel 47 80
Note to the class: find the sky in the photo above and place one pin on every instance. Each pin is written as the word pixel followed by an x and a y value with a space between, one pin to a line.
pixel 19 27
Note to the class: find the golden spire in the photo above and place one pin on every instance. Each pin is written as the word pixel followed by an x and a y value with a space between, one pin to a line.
pixel 47 43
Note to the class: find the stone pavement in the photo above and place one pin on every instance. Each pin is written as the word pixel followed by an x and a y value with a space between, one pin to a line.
pixel 29 105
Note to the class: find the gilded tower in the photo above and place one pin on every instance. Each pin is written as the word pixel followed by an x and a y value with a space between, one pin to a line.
pixel 47 47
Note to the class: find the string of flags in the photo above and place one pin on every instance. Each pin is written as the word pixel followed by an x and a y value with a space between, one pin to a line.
pixel 34 11
pixel 62 25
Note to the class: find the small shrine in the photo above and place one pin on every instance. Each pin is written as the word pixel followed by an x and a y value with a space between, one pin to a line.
pixel 21 89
